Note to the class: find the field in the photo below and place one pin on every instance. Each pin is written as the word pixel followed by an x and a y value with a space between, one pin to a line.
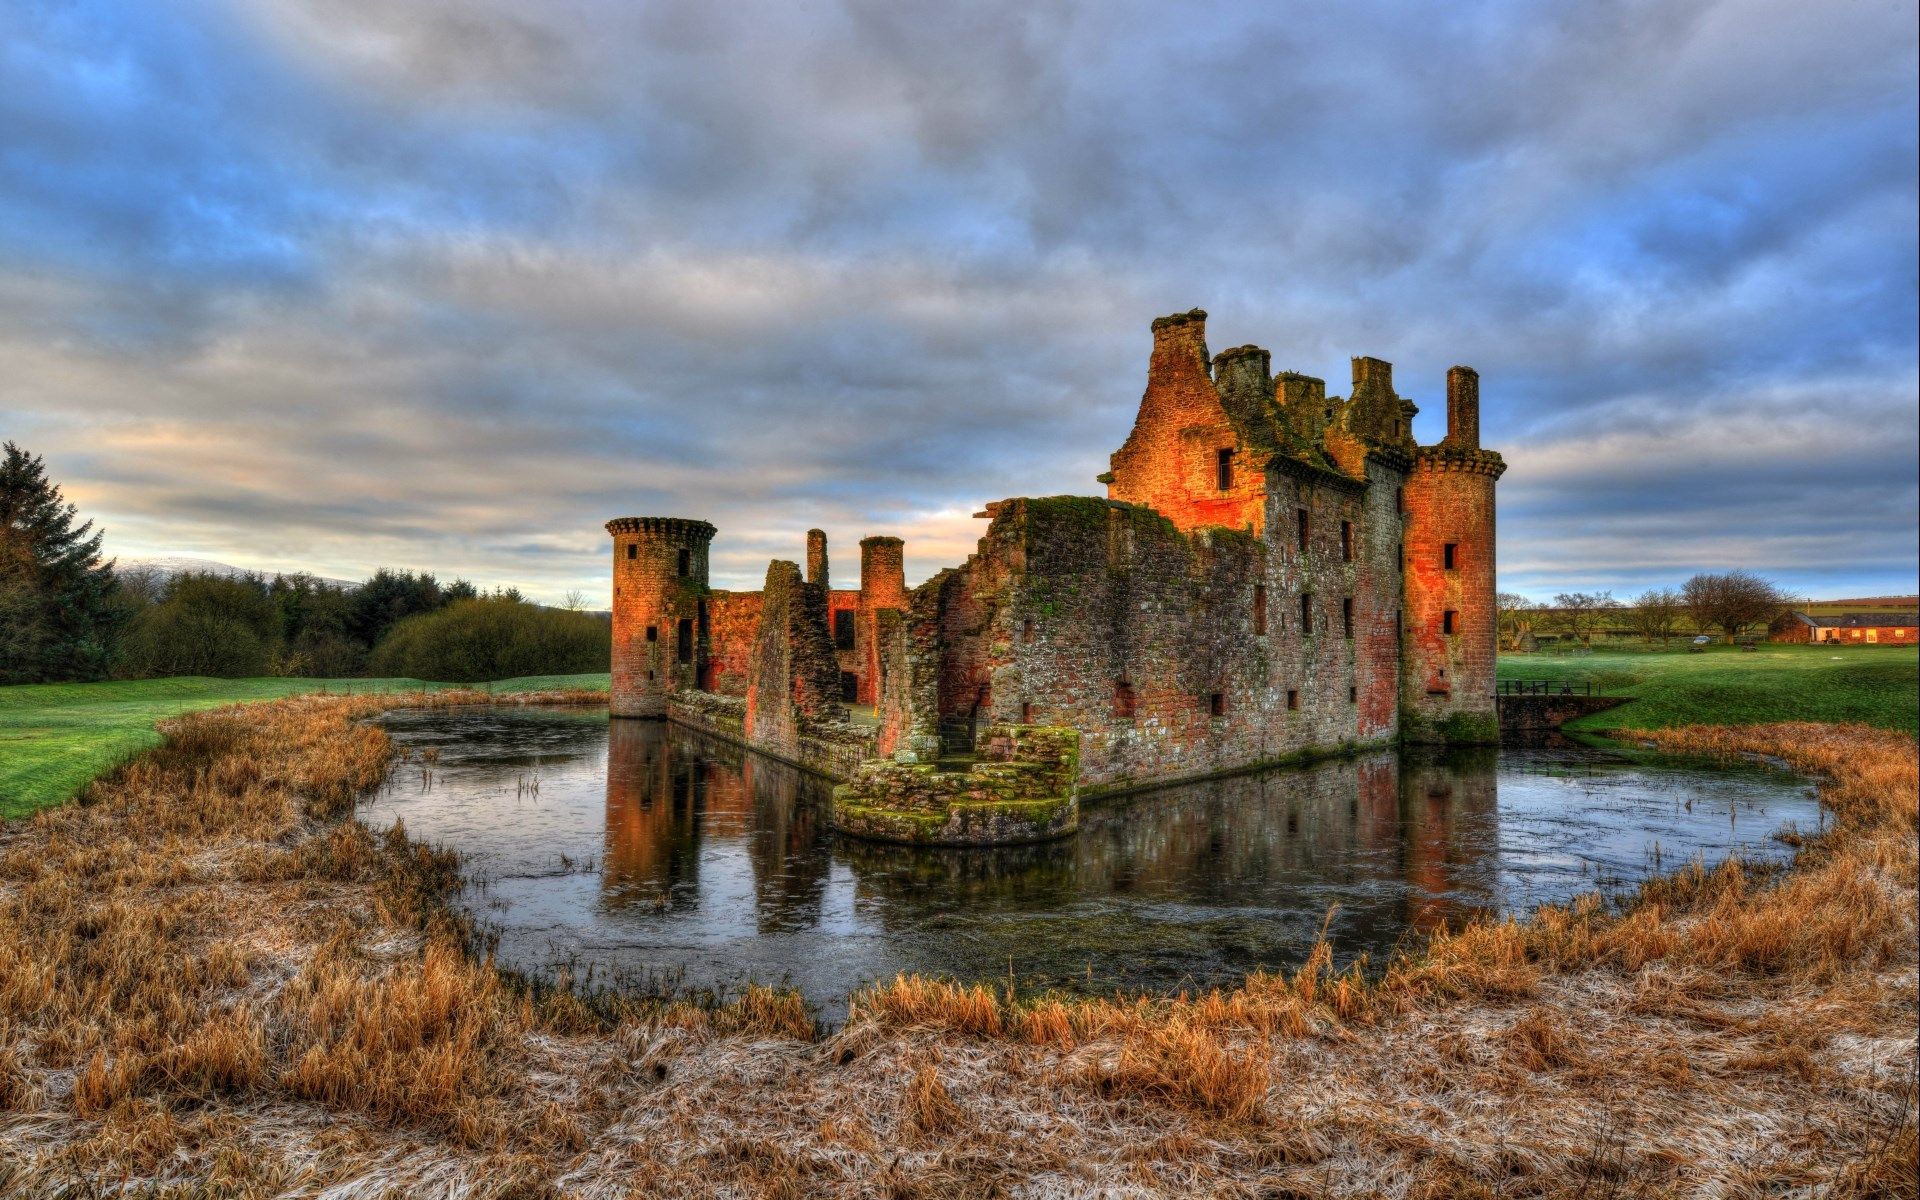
pixel 215 983
pixel 1724 685
pixel 56 737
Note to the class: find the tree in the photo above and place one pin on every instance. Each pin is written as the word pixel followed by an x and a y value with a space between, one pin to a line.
pixel 226 626
pixel 1515 618
pixel 1656 614
pixel 1580 613
pixel 494 637
pixel 58 606
pixel 1731 601
pixel 390 597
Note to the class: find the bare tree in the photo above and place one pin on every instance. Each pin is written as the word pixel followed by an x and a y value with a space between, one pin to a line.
pixel 574 601
pixel 1515 616
pixel 1580 613
pixel 1732 601
pixel 1656 614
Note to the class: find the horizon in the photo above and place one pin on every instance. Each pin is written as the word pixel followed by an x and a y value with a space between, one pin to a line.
pixel 445 292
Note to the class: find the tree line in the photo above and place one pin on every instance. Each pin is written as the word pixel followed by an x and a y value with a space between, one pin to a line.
pixel 66 614
pixel 1728 603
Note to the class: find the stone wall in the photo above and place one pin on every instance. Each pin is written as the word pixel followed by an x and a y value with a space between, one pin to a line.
pixel 793 674
pixel 733 622
pixel 1105 618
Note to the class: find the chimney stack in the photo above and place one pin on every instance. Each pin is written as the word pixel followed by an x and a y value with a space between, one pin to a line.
pixel 1463 407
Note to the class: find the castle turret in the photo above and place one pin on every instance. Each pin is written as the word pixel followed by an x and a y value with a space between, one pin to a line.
pixel 1449 628
pixel 659 611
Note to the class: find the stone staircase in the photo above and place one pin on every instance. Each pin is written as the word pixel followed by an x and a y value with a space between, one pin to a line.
pixel 956 740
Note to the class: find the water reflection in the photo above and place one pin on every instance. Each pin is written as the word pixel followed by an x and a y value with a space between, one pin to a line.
pixel 648 849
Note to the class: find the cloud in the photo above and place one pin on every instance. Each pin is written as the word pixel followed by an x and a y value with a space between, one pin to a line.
pixel 330 284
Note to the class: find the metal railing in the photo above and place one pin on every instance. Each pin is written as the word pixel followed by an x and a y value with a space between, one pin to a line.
pixel 1547 687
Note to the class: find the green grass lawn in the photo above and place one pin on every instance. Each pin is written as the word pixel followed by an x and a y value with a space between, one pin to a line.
pixel 1725 685
pixel 56 737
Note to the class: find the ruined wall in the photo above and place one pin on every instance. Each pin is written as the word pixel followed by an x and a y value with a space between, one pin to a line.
pixel 733 621
pixel 792 674
pixel 659 581
pixel 1103 617
pixel 883 585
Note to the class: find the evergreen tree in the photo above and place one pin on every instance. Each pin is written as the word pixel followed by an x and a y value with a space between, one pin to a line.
pixel 57 606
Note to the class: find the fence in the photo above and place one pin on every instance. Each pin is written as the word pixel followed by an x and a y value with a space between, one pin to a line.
pixel 1548 687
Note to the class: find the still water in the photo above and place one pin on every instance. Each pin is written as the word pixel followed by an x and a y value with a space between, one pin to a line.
pixel 647 856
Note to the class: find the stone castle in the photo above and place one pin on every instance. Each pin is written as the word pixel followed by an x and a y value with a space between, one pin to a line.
pixel 1274 574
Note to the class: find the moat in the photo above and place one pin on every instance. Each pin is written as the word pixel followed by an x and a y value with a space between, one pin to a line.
pixel 647 856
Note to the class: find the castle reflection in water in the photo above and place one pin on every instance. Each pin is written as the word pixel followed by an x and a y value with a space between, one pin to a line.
pixel 1419 829
pixel 661 858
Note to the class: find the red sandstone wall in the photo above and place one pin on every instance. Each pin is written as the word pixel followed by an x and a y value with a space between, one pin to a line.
pixel 1168 462
pixel 883 584
pixel 733 622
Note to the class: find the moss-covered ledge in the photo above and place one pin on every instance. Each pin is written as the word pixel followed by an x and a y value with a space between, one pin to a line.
pixel 1022 791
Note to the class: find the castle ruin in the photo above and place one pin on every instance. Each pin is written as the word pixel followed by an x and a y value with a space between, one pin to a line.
pixel 1275 574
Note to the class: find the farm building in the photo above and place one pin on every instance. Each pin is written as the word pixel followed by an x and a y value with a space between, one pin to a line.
pixel 1853 628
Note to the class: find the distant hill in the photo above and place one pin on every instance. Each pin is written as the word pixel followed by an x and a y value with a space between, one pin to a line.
pixel 170 565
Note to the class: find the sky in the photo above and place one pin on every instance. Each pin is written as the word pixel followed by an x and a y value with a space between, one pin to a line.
pixel 328 285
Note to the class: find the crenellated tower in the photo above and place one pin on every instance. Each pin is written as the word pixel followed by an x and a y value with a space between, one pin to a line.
pixel 1449 635
pixel 659 611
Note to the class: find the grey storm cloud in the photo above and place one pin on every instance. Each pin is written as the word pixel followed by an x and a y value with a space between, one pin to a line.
pixel 330 284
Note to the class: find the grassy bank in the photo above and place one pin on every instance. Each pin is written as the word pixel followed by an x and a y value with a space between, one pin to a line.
pixel 1725 685
pixel 54 738
pixel 212 983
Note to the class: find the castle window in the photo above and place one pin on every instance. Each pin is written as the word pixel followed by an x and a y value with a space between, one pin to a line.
pixel 1353 695
pixel 684 650
pixel 1301 515
pixel 1217 704
pixel 1448 555
pixel 1223 468
pixel 685 562
pixel 1026 629
pixel 633 551
pixel 1346 541
pixel 1446 621
pixel 1026 714
pixel 1346 616
pixel 649 676
pixel 1259 609
pixel 1123 702
pixel 653 633
pixel 1293 700
pixel 843 629
pixel 1306 612
pixel 849 687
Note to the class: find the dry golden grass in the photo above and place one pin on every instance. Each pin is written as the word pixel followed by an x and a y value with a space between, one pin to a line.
pixel 213 983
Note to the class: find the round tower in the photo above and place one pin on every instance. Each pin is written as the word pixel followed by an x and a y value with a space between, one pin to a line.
pixel 659 611
pixel 1449 627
